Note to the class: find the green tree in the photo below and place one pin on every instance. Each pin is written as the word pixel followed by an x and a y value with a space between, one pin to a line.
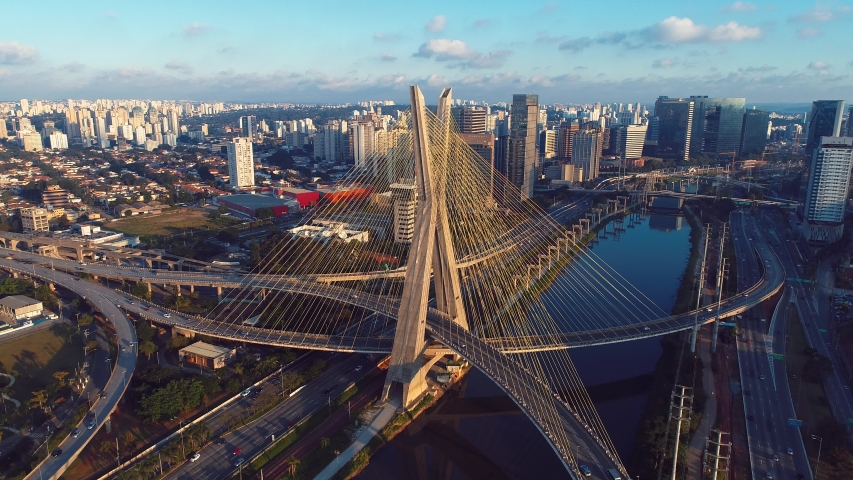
pixel 148 348
pixel 223 209
pixel 141 290
pixel 85 320
pixel 145 332
pixel 292 465
pixel 60 375
pixel 264 212
pixel 44 294
pixel 40 400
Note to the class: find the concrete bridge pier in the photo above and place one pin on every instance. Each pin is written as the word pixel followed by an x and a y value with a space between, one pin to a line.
pixel 192 288
pixel 149 287
pixel 80 256
pixel 177 290
pixel 582 222
pixel 149 263
pixel 219 294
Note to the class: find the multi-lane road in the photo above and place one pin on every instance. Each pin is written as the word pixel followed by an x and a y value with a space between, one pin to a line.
pixel 766 393
pixel 124 365
pixel 217 460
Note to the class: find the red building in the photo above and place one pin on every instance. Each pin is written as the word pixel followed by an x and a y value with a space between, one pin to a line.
pixel 249 204
pixel 306 198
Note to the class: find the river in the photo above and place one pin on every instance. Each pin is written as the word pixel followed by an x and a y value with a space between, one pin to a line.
pixel 651 254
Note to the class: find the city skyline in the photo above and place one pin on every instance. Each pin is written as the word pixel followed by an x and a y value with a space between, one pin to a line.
pixel 763 51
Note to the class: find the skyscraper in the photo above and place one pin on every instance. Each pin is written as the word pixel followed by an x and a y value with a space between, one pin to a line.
pixel 564 139
pixel 717 124
pixel 3 131
pixel 521 158
pixel 404 196
pixel 850 122
pixel 824 121
pixel 241 165
pixel 826 194
pixel 675 120
pixel 250 126
pixel 631 140
pixel 586 153
pixel 753 138
pixel 472 120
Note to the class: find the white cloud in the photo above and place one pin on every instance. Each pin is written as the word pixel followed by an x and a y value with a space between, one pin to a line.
pixel 818 65
pixel 664 63
pixel 683 30
pixel 13 53
pixel 436 24
pixel 822 13
pixel 195 29
pixel 387 57
pixel 445 50
pixel 385 37
pixel 483 22
pixel 179 67
pixel 805 33
pixel 740 7
pixel 549 7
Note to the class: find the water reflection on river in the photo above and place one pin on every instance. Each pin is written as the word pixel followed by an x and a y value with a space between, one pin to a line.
pixel 650 253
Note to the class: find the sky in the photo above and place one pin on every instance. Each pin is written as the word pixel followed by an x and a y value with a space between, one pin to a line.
pixel 347 51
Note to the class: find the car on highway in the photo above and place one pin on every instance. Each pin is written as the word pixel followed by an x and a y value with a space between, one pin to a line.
pixel 358 368
pixel 239 461
pixel 90 425
pixel 761 377
pixel 776 457
pixel 585 470
pixel 103 394
pixel 76 433
pixel 56 453
pixel 219 441
pixel 237 451
pixel 325 392
pixel 194 457
pixel 166 314
pixel 790 451
pixel 246 392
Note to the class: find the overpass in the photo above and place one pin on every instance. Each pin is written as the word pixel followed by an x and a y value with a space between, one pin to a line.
pixel 531 286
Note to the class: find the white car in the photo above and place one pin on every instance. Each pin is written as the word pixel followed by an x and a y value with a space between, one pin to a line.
pixel 195 457
pixel 246 392
pixel 167 315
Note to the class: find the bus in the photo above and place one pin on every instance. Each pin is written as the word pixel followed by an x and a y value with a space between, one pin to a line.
pixel 613 474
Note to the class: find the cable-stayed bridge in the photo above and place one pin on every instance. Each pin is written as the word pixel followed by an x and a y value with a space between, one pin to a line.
pixel 455 257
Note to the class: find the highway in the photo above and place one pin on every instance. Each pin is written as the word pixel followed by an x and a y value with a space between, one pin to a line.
pixel 124 365
pixel 814 310
pixel 766 394
pixel 217 460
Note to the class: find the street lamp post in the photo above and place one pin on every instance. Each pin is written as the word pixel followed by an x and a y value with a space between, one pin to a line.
pixel 819 446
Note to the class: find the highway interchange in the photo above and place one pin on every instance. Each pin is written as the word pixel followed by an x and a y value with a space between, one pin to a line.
pixel 768 430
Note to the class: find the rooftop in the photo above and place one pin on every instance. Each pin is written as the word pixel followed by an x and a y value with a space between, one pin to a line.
pixel 250 200
pixel 18 301
pixel 206 350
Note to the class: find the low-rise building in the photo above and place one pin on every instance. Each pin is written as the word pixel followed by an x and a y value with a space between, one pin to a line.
pixel 207 355
pixel 35 219
pixel 20 308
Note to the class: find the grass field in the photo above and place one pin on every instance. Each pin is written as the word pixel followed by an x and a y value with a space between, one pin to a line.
pixel 168 223
pixel 34 358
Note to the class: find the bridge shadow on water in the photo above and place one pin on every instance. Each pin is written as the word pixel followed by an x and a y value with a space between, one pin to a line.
pixel 477 432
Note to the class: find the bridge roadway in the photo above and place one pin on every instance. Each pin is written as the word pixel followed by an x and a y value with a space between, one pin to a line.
pixel 769 283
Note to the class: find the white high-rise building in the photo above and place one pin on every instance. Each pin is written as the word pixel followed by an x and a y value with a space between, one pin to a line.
pixel 58 141
pixel 633 138
pixel 25 106
pixel 139 136
pixel 585 153
pixel 826 194
pixel 241 165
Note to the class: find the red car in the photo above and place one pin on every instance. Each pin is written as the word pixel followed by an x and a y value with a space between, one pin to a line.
pixel 237 451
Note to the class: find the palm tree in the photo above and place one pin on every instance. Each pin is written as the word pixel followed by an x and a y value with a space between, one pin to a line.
pixel 324 442
pixel 148 348
pixel 40 399
pixel 292 465
pixel 60 377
